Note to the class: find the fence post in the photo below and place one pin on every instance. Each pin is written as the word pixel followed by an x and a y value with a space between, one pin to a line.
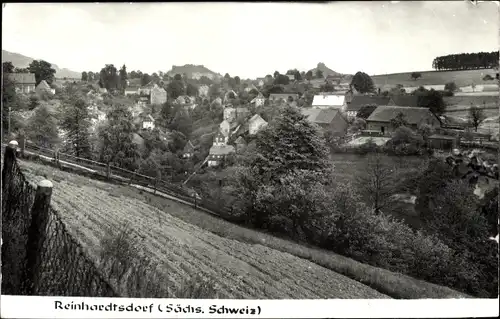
pixel 156 184
pixel 108 171
pixel 23 144
pixel 36 235
pixel 13 249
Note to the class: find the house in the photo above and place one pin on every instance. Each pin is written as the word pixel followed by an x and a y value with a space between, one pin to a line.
pixel 404 100
pixel 216 102
pixel 285 97
pixel 218 153
pixel 259 100
pixel 220 139
pixel 380 119
pixel 291 77
pixel 103 90
pixel 146 89
pixel 203 90
pixel 250 88
pixel 260 82
pixel 148 122
pixel 158 96
pixel 255 124
pixel 358 101
pixel 225 128
pixel 241 113
pixel 229 113
pixel 325 101
pixel 23 82
pixel 240 143
pixel 132 90
pixel 143 101
pixel 44 87
pixel 330 120
pixel 188 151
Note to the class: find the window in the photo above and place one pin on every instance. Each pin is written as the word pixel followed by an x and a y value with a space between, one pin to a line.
pixel 382 129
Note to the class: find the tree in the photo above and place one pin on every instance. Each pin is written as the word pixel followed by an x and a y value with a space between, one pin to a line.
pixel 43 128
pixel 43 71
pixel 416 75
pixel 309 75
pixel 175 89
pixel 431 99
pixel 191 90
pixel 108 77
pixel 276 74
pixel 297 76
pixel 178 77
pixel 123 77
pixel 237 80
pixel 327 87
pixel 182 123
pixel 362 82
pixel 214 91
pixel 281 79
pixel 227 76
pixel 319 74
pixel 377 182
pixel 476 116
pixel 145 79
pixel 450 87
pixel 399 120
pixel 118 147
pixel 76 122
pixel 85 76
pixel 90 76
pixel 7 67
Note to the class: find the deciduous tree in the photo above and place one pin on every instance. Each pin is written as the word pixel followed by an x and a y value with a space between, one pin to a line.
pixel 43 71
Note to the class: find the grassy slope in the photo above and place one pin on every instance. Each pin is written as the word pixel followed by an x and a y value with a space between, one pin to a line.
pixel 230 246
pixel 241 270
pixel 461 78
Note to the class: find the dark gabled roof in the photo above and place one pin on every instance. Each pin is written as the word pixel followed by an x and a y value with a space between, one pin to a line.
pixel 320 116
pixel 189 147
pixel 283 95
pixel 413 115
pixel 221 150
pixel 358 101
pixel 405 100
pixel 22 78
pixel 240 140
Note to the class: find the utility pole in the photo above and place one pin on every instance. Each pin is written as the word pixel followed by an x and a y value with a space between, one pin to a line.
pixel 9 122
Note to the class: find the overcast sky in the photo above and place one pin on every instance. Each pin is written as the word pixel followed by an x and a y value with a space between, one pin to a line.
pixel 250 39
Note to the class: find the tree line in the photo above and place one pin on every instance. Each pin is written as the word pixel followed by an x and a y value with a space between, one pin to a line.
pixel 466 61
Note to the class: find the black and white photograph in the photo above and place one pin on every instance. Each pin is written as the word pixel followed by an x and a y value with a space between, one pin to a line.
pixel 250 151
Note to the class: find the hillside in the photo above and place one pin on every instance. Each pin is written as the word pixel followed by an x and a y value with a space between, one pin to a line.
pixel 326 70
pixel 241 270
pixel 191 69
pixel 461 78
pixel 21 61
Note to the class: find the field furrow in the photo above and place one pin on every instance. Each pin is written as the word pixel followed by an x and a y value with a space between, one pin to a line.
pixel 93 209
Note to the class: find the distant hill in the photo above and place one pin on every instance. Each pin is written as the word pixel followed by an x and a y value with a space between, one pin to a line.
pixel 461 78
pixel 193 71
pixel 326 70
pixel 21 61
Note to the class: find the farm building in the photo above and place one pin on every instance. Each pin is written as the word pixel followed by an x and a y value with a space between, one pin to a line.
pixel 218 153
pixel 147 122
pixel 443 142
pixel 325 101
pixel 358 101
pixel 23 82
pixel 330 120
pixel 380 119
pixel 240 143
pixel 404 100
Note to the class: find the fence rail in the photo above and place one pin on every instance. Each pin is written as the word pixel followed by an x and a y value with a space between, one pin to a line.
pixel 124 176
pixel 39 255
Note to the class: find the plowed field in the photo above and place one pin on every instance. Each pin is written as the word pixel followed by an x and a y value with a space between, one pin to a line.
pixel 241 270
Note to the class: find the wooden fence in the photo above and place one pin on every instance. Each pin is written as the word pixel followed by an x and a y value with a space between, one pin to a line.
pixel 39 255
pixel 119 175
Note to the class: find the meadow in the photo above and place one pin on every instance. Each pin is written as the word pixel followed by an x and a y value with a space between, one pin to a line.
pixel 461 78
pixel 245 263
